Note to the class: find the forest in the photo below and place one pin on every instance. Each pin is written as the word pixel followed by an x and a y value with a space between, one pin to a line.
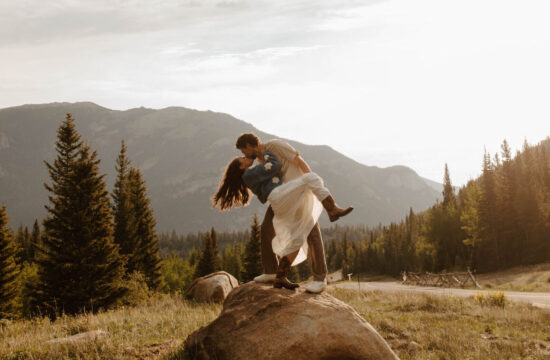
pixel 499 220
pixel 98 249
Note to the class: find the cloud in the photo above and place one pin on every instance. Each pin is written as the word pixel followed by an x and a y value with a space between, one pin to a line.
pixel 373 79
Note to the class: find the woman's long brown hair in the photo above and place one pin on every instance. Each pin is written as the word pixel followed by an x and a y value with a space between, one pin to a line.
pixel 232 190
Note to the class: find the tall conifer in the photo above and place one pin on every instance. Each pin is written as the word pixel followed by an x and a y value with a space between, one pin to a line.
pixel 80 268
pixel 252 262
pixel 35 239
pixel 449 198
pixel 124 221
pixel 8 269
pixel 146 251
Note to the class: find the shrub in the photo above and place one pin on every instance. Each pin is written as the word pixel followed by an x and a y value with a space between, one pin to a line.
pixel 491 299
pixel 177 274
pixel 138 291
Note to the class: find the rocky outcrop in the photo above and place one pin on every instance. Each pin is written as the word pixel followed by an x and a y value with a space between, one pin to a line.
pixel 260 322
pixel 212 287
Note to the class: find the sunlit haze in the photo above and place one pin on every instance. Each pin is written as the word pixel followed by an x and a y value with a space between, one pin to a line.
pixel 396 82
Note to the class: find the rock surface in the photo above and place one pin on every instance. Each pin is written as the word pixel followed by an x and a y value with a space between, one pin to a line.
pixel 212 287
pixel 260 322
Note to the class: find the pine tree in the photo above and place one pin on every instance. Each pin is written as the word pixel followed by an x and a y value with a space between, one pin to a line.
pixel 449 198
pixel 35 239
pixel 8 269
pixel 487 210
pixel 209 261
pixel 20 245
pixel 146 252
pixel 217 262
pixel 507 219
pixel 80 267
pixel 124 220
pixel 471 222
pixel 252 261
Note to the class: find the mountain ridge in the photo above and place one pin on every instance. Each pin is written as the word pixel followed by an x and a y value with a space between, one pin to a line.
pixel 182 153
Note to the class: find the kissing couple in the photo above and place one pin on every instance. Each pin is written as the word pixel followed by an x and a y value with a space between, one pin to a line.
pixel 296 197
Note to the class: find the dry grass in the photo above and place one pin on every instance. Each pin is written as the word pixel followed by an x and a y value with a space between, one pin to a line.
pixel 419 326
pixel 147 331
pixel 523 278
pixel 416 326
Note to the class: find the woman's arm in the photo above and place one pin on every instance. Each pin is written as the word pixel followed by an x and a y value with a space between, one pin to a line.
pixel 301 163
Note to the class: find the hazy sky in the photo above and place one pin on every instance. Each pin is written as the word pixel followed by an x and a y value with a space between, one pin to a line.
pixel 386 82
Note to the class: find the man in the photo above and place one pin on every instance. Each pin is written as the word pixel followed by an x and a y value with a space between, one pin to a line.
pixel 293 166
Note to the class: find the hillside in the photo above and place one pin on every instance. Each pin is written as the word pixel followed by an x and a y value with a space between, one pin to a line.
pixel 182 153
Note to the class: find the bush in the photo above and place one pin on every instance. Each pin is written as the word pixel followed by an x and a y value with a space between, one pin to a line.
pixel 177 274
pixel 138 291
pixel 491 299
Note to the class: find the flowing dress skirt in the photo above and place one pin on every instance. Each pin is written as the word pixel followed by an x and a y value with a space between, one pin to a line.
pixel 296 210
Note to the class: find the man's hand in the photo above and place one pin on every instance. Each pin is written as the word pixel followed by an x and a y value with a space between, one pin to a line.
pixel 301 163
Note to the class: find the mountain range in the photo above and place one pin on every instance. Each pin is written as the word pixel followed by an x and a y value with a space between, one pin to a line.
pixel 182 153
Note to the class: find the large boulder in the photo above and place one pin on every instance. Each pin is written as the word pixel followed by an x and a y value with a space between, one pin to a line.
pixel 212 287
pixel 260 322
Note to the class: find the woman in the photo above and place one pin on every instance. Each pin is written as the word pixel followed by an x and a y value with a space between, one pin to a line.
pixel 291 225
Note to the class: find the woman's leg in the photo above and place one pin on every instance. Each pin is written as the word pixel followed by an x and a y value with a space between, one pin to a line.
pixel 317 186
pixel 283 270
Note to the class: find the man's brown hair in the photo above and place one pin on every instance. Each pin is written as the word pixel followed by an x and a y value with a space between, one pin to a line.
pixel 247 138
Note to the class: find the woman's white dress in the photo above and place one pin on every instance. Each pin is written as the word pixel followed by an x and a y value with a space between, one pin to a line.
pixel 296 210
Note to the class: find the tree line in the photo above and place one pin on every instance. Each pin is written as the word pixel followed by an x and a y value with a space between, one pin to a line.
pixel 92 246
pixel 499 220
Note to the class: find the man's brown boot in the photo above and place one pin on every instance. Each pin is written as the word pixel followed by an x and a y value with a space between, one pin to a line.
pixel 334 212
pixel 281 277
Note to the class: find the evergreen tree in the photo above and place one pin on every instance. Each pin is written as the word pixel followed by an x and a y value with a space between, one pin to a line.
pixel 23 244
pixel 146 251
pixel 8 269
pixel 449 198
pixel 35 239
pixel 80 267
pixel 124 221
pixel 252 261
pixel 507 218
pixel 491 252
pixel 471 222
pixel 209 261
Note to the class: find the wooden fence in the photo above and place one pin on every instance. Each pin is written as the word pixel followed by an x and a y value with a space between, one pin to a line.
pixel 456 279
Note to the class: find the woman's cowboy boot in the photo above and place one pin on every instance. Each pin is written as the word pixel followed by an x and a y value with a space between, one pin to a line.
pixel 281 277
pixel 334 212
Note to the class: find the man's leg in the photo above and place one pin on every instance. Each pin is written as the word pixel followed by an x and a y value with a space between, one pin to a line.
pixel 267 233
pixel 318 261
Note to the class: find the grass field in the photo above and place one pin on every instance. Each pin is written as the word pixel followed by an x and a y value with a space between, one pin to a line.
pixel 416 326
pixel 148 331
pixel 523 278
pixel 419 326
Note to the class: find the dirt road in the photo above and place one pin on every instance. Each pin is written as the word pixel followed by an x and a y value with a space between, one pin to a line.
pixel 537 299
